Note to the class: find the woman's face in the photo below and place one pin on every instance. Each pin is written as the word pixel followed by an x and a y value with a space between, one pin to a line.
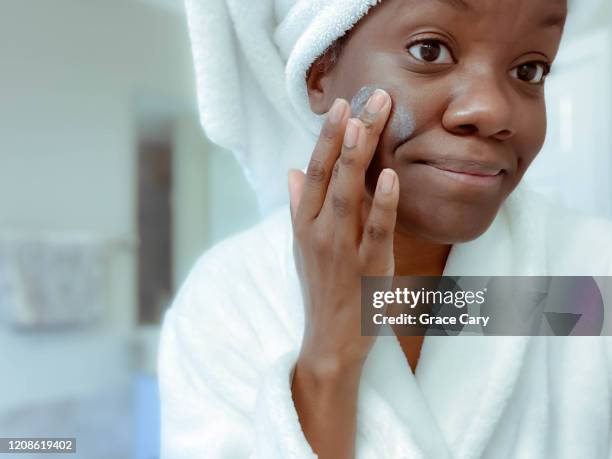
pixel 466 79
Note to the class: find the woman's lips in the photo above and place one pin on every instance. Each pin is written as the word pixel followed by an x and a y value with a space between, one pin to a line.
pixel 468 172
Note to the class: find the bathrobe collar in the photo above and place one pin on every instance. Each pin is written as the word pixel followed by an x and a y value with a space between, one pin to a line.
pixel 462 384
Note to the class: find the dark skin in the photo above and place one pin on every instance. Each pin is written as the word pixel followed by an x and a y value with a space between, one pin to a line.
pixel 376 201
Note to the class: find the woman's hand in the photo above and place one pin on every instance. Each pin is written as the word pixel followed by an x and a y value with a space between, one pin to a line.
pixel 338 236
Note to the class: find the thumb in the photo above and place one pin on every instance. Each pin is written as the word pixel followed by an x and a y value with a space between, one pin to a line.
pixel 296 179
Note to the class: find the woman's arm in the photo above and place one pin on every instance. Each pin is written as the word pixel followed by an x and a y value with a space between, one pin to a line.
pixel 227 357
pixel 326 402
pixel 339 238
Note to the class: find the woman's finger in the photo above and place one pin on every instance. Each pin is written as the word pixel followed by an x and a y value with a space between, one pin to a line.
pixel 377 240
pixel 347 187
pixel 342 206
pixel 374 117
pixel 322 161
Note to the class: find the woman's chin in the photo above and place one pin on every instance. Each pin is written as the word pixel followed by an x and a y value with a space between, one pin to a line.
pixel 445 228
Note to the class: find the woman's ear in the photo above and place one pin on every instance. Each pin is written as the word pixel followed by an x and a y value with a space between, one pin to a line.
pixel 318 84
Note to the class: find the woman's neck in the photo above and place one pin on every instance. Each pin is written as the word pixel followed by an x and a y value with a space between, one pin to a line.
pixel 417 257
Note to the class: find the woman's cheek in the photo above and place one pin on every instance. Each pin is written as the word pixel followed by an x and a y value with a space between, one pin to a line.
pixel 402 125
pixel 360 99
pixel 530 138
pixel 402 121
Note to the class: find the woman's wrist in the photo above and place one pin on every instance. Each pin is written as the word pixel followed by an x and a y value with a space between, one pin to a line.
pixel 330 370
pixel 325 393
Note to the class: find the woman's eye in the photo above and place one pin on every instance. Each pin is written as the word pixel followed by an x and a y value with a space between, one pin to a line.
pixel 531 72
pixel 431 51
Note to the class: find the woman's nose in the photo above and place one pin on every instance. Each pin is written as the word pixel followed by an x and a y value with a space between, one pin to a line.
pixel 480 106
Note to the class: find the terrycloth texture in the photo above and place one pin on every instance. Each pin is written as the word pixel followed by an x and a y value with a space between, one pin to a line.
pixel 251 59
pixel 230 341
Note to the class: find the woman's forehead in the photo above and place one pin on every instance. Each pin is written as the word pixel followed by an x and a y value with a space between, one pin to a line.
pixel 524 22
pixel 535 12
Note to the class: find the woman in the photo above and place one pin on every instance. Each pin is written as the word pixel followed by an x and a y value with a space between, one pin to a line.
pixel 432 112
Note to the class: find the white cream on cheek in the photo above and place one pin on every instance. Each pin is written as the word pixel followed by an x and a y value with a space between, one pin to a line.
pixel 402 121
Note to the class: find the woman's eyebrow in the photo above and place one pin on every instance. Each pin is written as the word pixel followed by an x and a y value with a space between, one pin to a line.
pixel 458 4
pixel 553 20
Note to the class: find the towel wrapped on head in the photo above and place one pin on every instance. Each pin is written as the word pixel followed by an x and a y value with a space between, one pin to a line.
pixel 251 61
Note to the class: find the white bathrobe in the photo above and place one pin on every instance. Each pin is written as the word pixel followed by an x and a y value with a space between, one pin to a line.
pixel 230 342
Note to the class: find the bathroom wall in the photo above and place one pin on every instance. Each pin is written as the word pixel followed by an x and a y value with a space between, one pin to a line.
pixel 82 82
pixel 74 76
pixel 575 164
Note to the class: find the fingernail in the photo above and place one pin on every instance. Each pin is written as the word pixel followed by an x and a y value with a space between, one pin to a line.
pixel 352 134
pixel 376 101
pixel 387 181
pixel 337 111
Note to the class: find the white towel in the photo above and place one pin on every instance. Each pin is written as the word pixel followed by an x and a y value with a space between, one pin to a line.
pixel 251 59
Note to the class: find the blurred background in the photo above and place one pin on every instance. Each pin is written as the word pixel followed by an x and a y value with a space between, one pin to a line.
pixel 109 191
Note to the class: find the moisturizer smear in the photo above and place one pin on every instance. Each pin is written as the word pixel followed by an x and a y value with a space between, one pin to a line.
pixel 401 122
